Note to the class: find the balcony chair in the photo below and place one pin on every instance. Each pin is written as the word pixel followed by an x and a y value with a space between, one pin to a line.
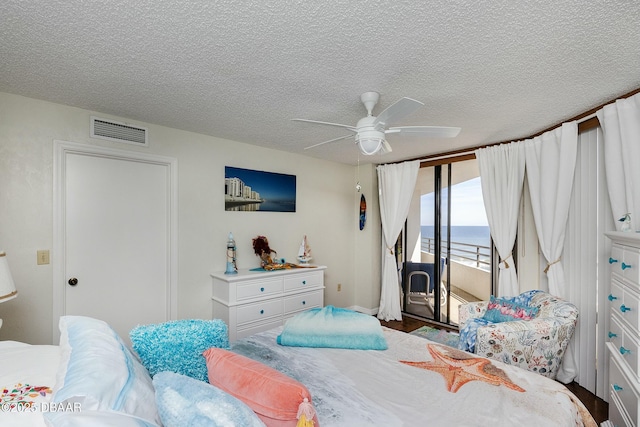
pixel 418 278
pixel 537 344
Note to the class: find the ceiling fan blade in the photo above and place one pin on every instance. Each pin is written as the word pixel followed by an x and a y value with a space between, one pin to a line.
pixel 351 128
pixel 331 140
pixel 427 131
pixel 386 147
pixel 398 111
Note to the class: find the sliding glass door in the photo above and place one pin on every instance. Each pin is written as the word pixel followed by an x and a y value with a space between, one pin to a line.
pixel 447 222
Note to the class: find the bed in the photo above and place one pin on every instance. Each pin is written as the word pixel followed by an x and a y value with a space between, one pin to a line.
pixel 413 382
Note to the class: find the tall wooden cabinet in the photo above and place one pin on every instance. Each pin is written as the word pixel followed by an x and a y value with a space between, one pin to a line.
pixel 624 329
pixel 254 301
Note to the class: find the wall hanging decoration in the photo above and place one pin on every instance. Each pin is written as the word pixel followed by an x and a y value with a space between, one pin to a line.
pixel 363 211
pixel 232 268
pixel 258 191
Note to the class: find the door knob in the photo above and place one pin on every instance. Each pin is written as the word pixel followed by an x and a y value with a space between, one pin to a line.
pixel 73 281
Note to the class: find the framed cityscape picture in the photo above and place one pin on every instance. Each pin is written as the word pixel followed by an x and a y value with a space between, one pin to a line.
pixel 258 191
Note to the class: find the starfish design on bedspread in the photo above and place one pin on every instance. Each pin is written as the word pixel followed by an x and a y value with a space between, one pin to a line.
pixel 458 368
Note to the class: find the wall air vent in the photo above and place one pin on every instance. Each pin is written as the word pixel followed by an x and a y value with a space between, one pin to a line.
pixel 119 132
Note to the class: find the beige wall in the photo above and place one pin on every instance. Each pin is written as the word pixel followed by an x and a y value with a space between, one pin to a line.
pixel 327 212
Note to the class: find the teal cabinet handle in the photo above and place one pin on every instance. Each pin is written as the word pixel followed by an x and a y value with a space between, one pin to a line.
pixel 624 351
pixel 616 387
pixel 624 308
pixel 612 335
pixel 625 266
pixel 304 302
pixel 611 297
pixel 612 260
pixel 304 282
pixel 261 311
pixel 261 289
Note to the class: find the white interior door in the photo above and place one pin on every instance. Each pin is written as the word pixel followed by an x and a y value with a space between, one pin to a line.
pixel 115 217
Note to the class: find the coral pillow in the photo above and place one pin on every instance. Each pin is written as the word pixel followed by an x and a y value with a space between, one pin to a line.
pixel 272 395
pixel 505 310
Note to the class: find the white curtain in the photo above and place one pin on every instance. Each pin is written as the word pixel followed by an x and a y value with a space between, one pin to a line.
pixel 620 124
pixel 502 176
pixel 550 164
pixel 396 183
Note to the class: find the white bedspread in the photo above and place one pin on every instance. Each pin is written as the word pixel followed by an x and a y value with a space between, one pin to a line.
pixel 375 388
pixel 23 364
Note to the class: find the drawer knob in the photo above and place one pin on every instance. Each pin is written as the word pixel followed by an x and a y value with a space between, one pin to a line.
pixel 304 282
pixel 616 387
pixel 304 302
pixel 261 289
pixel 612 335
pixel 624 350
pixel 261 311
pixel 612 260
pixel 611 297
pixel 625 266
pixel 624 308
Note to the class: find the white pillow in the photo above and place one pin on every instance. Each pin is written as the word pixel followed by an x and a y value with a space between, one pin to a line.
pixel 100 373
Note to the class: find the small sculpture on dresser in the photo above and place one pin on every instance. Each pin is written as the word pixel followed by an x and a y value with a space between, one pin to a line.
pixel 262 249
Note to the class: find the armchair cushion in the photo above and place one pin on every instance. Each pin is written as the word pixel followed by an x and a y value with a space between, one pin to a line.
pixel 506 309
pixel 537 345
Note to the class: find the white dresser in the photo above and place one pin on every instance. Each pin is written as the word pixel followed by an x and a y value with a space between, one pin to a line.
pixel 254 301
pixel 624 329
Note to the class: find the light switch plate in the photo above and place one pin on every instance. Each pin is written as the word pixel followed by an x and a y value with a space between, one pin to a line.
pixel 43 257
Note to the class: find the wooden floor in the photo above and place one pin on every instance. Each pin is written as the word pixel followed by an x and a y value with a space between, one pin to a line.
pixel 598 408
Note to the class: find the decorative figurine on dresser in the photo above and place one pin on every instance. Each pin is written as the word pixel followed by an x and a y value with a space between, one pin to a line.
pixel 258 299
pixel 624 329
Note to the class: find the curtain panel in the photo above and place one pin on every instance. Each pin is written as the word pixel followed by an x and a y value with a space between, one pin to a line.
pixel 620 123
pixel 396 183
pixel 550 165
pixel 502 175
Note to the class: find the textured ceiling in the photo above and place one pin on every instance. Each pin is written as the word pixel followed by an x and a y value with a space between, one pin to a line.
pixel 501 70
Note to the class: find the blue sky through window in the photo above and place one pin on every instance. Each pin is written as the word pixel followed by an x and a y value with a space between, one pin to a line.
pixel 467 206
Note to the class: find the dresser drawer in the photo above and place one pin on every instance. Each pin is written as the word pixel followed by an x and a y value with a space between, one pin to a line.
pixel 254 328
pixel 258 288
pixel 626 345
pixel 625 302
pixel 620 387
pixel 259 311
pixel 630 265
pixel 303 280
pixel 301 302
pixel 616 413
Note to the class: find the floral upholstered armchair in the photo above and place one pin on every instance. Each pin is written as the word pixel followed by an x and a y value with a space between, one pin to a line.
pixel 531 331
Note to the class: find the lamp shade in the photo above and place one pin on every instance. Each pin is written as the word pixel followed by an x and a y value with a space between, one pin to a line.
pixel 7 287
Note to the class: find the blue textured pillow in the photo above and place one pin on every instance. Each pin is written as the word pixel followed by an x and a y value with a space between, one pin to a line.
pixel 506 310
pixel 177 345
pixel 335 328
pixel 184 401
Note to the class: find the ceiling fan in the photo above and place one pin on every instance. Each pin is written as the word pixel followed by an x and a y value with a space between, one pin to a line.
pixel 371 130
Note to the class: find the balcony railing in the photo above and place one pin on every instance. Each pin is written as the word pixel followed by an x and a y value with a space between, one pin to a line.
pixel 475 255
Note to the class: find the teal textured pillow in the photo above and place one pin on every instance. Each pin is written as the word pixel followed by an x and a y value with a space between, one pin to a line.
pixel 334 328
pixel 506 310
pixel 184 401
pixel 177 345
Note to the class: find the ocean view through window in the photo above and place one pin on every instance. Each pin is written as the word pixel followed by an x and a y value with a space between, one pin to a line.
pixel 448 221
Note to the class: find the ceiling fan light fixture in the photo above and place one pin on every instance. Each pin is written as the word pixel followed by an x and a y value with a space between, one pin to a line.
pixel 370 145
